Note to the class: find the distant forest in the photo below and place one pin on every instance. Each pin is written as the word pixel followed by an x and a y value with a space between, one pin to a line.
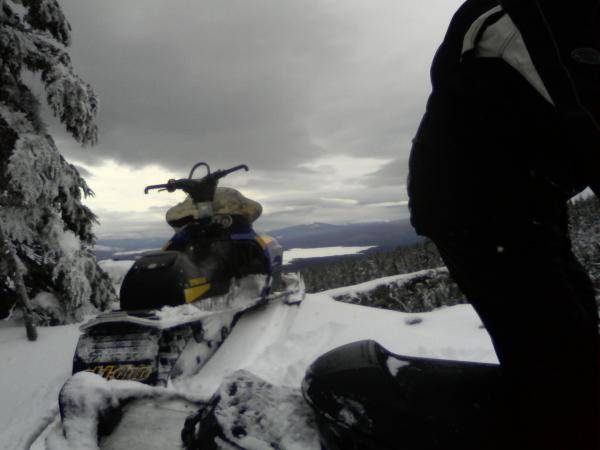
pixel 584 229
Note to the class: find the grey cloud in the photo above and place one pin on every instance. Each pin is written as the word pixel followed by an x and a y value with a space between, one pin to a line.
pixel 117 225
pixel 82 171
pixel 331 214
pixel 224 80
pixel 273 84
pixel 393 174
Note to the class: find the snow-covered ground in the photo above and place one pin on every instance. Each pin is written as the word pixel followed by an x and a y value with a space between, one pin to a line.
pixel 280 343
pixel 320 252
pixel 135 252
pixel 276 343
pixel 32 374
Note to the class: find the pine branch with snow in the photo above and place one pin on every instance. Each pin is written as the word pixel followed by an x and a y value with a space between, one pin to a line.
pixel 40 192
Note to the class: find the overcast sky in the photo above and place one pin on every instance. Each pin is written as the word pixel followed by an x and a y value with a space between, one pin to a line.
pixel 320 98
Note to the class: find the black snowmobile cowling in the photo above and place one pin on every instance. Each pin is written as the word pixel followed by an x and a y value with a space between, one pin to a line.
pixel 366 397
pixel 179 304
pixel 192 272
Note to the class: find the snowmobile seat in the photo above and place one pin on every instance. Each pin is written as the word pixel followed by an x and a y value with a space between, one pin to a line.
pixel 227 202
pixel 366 397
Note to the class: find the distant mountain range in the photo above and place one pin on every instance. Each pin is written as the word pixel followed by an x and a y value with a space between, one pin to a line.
pixel 378 235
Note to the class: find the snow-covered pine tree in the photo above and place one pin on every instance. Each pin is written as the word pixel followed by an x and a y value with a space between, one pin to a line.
pixel 40 193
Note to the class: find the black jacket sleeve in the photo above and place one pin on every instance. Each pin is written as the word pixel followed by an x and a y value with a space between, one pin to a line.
pixel 564 42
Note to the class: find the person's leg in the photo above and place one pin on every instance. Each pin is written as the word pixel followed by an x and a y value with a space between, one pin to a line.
pixel 538 306
pixel 587 384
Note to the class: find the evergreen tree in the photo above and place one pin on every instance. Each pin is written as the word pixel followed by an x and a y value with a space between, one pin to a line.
pixel 40 193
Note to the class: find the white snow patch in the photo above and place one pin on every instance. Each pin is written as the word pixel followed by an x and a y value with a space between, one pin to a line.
pixel 171 315
pixel 88 395
pixel 46 300
pixel 69 242
pixel 271 414
pixel 135 252
pixel 373 284
pixel 116 270
pixel 159 418
pixel 32 375
pixel 47 303
pixel 347 417
pixel 394 365
pixel 352 412
pixel 320 252
pixel 279 343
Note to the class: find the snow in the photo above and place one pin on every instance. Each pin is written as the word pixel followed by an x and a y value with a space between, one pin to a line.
pixel 46 300
pixel 69 242
pixel 371 285
pixel 394 365
pixel 116 270
pixel 32 374
pixel 89 396
pixel 352 412
pixel 135 252
pixel 276 343
pixel 320 252
pixel 159 418
pixel 267 412
pixel 44 217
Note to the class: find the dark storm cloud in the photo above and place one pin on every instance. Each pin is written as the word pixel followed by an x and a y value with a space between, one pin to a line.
pixel 221 81
pixel 272 83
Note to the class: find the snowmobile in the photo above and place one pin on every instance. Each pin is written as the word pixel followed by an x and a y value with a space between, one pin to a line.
pixel 177 305
pixel 365 397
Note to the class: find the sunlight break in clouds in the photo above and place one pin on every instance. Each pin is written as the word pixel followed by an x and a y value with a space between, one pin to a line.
pixel 342 172
pixel 120 188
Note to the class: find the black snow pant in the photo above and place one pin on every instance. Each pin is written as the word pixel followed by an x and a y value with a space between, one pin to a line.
pixel 538 305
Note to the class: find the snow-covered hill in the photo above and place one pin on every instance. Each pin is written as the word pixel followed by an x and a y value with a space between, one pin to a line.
pixel 276 344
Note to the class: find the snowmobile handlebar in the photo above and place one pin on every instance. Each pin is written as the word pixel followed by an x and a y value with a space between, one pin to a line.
pixel 201 190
